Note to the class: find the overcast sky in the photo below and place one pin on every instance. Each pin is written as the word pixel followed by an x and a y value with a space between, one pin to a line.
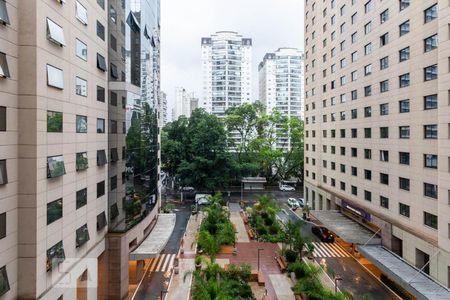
pixel 270 23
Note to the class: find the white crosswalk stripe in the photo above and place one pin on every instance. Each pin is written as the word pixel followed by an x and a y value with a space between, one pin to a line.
pixel 329 250
pixel 161 263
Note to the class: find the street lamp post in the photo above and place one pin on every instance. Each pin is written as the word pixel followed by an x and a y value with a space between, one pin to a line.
pixel 336 279
pixel 259 249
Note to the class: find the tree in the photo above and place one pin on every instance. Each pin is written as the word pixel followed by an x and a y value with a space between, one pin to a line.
pixel 174 139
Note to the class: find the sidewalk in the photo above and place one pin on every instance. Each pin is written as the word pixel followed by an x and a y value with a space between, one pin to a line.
pixel 236 219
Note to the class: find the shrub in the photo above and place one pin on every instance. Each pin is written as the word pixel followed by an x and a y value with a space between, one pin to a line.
pixel 273 229
pixel 225 234
pixel 268 221
pixel 290 255
pixel 261 230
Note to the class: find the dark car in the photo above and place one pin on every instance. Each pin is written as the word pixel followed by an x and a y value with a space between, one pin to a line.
pixel 323 234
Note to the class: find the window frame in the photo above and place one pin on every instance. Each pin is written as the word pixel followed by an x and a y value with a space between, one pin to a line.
pixel 55 33
pixel 52 74
pixel 81 13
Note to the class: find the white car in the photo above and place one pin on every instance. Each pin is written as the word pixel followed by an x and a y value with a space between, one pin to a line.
pixel 301 202
pixel 293 203
pixel 286 188
pixel 201 199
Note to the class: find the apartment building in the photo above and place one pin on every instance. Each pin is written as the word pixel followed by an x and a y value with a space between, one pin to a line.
pixel 163 109
pixel 377 125
pixel 226 69
pixel 281 85
pixel 67 103
pixel 182 103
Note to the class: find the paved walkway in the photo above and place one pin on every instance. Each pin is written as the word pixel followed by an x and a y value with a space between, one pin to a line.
pixel 282 285
pixel 236 219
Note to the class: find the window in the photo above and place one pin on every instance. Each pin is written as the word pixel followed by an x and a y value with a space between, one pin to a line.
pixel 81 13
pixel 101 221
pixel 404 4
pixel 100 30
pixel 100 189
pixel 80 86
pixel 81 124
pixel 100 94
pixel 4 282
pixel 404 158
pixel 430 161
pixel 384 86
pixel 368 28
pixel 114 155
pixel 403 183
pixel 368 7
pixel 354 132
pixel 430 220
pixel 82 161
pixel 430 43
pixel 368 174
pixel 384 109
pixel 404 106
pixel 430 190
pixel 367 153
pixel 384 132
pixel 384 202
pixel 384 39
pixel 4 70
pixel 404 132
pixel 4 18
pixel 54 121
pixel 430 102
pixel 367 111
pixel 354 190
pixel 367 133
pixel 114 211
pixel 430 131
pixel 354 152
pixel 404 80
pixel 430 72
pixel 384 63
pixel 367 196
pixel 384 155
pixel 112 14
pixel 342 168
pixel 113 183
pixel 404 54
pixel 430 13
pixel 55 33
pixel 354 18
pixel 114 74
pixel 354 113
pixel 384 16
pixel 113 42
pixel 2 118
pixel 384 178
pixel 2 229
pixel 368 91
pixel 343 186
pixel 101 63
pixel 101 158
pixel 54 211
pixel 3 172
pixel 100 125
pixel 55 256
pixel 368 49
pixel 55 77
pixel 55 166
pixel 81 198
pixel 101 3
pixel 368 69
pixel 404 28
pixel 354 56
pixel 81 49
pixel 403 210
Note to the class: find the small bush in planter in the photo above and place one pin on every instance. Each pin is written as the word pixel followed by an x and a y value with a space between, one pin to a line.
pixel 290 255
pixel 273 229
pixel 261 230
pixel 268 221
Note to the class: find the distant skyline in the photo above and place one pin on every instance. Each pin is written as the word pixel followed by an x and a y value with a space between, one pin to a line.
pixel 271 24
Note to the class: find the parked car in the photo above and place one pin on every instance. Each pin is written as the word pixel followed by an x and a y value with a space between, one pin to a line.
pixel 301 202
pixel 286 188
pixel 293 203
pixel 323 234
pixel 202 199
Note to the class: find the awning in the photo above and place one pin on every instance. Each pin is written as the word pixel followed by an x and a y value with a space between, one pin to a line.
pixel 417 283
pixel 349 230
pixel 157 239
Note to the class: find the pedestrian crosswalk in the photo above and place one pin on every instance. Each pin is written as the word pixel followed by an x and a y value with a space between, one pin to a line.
pixel 329 250
pixel 161 263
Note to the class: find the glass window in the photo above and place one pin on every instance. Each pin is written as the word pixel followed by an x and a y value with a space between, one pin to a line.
pixel 368 174
pixel 404 158
pixel 2 229
pixel 368 7
pixel 113 183
pixel 404 132
pixel 81 198
pixel 100 125
pixel 368 69
pixel 3 172
pixel 384 109
pixel 114 155
pixel 112 14
pixel 101 221
pixel 113 128
pixel 114 73
pixel 403 209
pixel 101 63
pixel 404 80
pixel 384 132
pixel 4 69
pixel 384 63
pixel 101 3
pixel 384 178
pixel 404 4
pixel 430 220
pixel 430 101
pixel 367 111
pixel 384 86
pixel 430 72
pixel 368 90
pixel 55 256
pixel 367 196
pixel 368 28
pixel 114 210
pixel 384 155
pixel 80 87
pixel 2 118
pixel 100 189
pixel 404 106
pixel 55 166
pixel 113 42
pixel 82 161
pixel 81 13
pixel 100 30
pixel 54 210
pixel 404 54
pixel 55 33
pixel 54 121
pixel 4 17
pixel 55 77
pixel 403 183
pixel 384 16
pixel 430 161
pixel 430 43
pixel 368 49
pixel 430 131
pixel 367 153
pixel 384 202
pixel 113 99
pixel 4 282
pixel 404 28
pixel 101 158
pixel 431 13
pixel 384 39
pixel 82 235
pixel 100 94
pixel 81 124
pixel 367 133
pixel 81 49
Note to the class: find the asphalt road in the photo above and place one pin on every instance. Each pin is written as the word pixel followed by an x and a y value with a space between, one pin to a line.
pixel 153 282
